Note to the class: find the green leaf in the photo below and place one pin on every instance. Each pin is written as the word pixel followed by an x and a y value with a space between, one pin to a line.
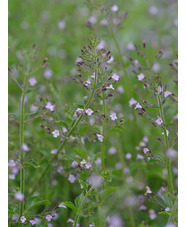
pixel 117 129
pixel 35 201
pixel 70 205
pixel 85 99
pixel 31 163
pixel 83 129
pixel 85 186
pixel 165 213
pixel 107 192
pixel 82 153
pixel 79 200
pixel 62 123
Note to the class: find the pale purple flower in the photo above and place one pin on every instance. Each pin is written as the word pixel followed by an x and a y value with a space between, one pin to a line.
pixel 171 153
pixel 160 89
pixel 92 225
pixel 11 176
pixel 126 170
pixel 78 112
pixel 89 112
pixel 48 73
pixel 139 156
pixel 145 139
pixel 70 220
pixel 112 150
pixel 61 24
pixel 100 137
pixel 103 22
pixel 33 108
pixel 114 8
pixel 135 62
pixel 101 45
pixel 132 102
pixel 175 170
pixel 64 129
pixel 62 206
pixel 128 156
pixel 170 225
pixel 98 161
pixel 138 106
pixel 156 67
pixel 32 81
pixel 113 116
pixel 92 19
pixel 167 209
pixel 15 170
pixel 130 46
pixel 33 222
pixel 140 76
pixel 118 165
pixel 83 162
pixel 152 214
pixel 74 163
pixel 59 169
pixel 115 77
pixel 11 163
pixel 93 76
pixel 22 219
pixel 54 151
pixel 148 191
pixel 153 10
pixel 167 132
pixel 142 144
pixel 145 150
pixel 71 178
pixel 110 60
pixel 88 165
pixel 48 217
pixel 25 147
pixel 120 89
pixel 176 22
pixel 88 82
pixel 14 217
pixel 95 180
pixel 55 133
pixel 115 221
pixel 81 186
pixel 19 196
pixel 50 106
pixel 142 207
pixel 159 121
pixel 110 87
pixel 167 93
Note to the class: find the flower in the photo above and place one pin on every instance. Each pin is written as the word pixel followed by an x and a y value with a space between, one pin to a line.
pixel 170 225
pixel 19 196
pixel 130 46
pixel 33 222
pixel 115 77
pixel 22 219
pixel 138 106
pixel 110 87
pixel 103 22
pixel 54 151
pixel 132 102
pixel 142 207
pixel 115 221
pixel 112 150
pixel 88 82
pixel 48 73
pixel 55 133
pixel 88 165
pixel 167 132
pixel 100 137
pixel 92 225
pixel 78 112
pixel 61 24
pixel 110 60
pixel 71 178
pixel 92 19
pixel 62 206
pixel 148 190
pixel 145 139
pixel 74 163
pixel 11 163
pixel 128 156
pixel 50 106
pixel 152 214
pixel 48 217
pixel 120 89
pixel 167 93
pixel 32 81
pixel 89 112
pixel 114 8
pixel 159 121
pixel 171 153
pixel 139 156
pixel 113 116
pixel 25 147
pixel 140 76
pixel 167 209
pixel 145 150
pixel 83 162
pixel 11 176
pixel 64 129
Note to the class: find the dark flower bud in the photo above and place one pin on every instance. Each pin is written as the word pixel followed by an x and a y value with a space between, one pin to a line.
pixel 144 43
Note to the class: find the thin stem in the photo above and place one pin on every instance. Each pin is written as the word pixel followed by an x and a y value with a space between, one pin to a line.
pixel 81 206
pixel 124 181
pixel 171 188
pixel 103 132
pixel 69 134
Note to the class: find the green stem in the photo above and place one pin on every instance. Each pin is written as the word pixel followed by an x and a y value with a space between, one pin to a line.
pixel 81 206
pixel 169 172
pixel 69 134
pixel 103 132
pixel 124 181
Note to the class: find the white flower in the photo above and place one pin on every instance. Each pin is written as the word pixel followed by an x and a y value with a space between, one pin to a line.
pixel 101 45
pixel 88 82
pixel 55 133
pixel 19 196
pixel 22 219
pixel 100 137
pixel 113 116
pixel 32 81
pixel 156 67
pixel 159 121
pixel 25 147
pixel 54 151
pixel 167 132
pixel 115 77
pixel 83 162
pixel 148 190
pixel 89 112
pixel 93 76
pixel 167 93
pixel 71 178
pixel 140 77
pixel 62 206
pixel 114 8
pixel 33 108
pixel 110 87
pixel 138 106
pixel 132 102
pixel 92 225
pixel 110 60
pixel 78 112
pixel 167 209
pixel 50 106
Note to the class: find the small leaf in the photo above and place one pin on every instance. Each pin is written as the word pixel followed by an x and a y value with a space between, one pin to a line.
pixel 85 186
pixel 79 200
pixel 62 123
pixel 83 129
pixel 165 213
pixel 70 205
pixel 31 163
pixel 82 153
pixel 107 192
pixel 35 201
